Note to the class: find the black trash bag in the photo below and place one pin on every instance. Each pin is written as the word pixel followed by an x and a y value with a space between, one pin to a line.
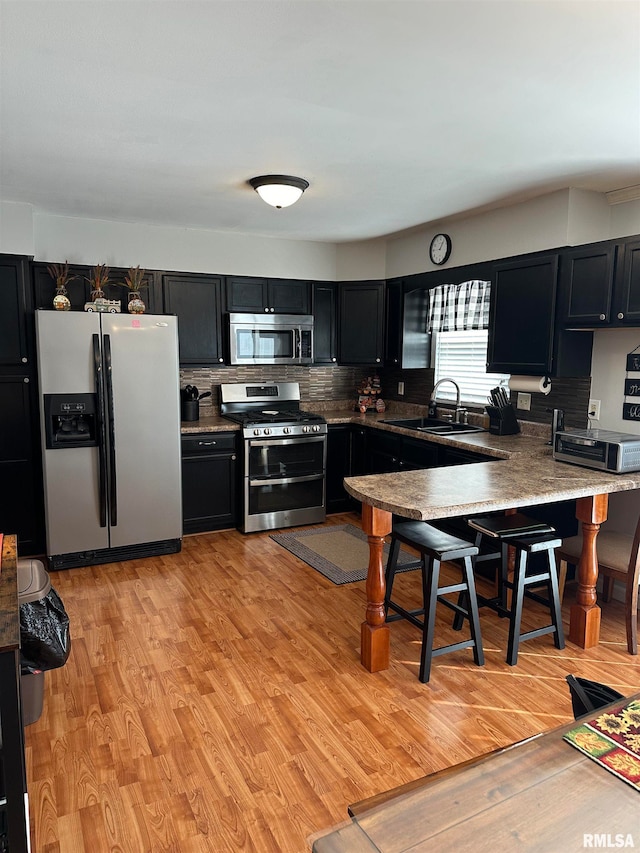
pixel 588 696
pixel 44 633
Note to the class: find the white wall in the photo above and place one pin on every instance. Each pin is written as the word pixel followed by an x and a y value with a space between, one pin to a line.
pixel 364 260
pixel 625 219
pixel 16 228
pixel 608 372
pixel 91 241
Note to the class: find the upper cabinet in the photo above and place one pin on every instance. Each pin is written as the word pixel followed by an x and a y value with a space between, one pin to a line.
pixel 196 301
pixel 600 284
pixel 325 323
pixel 251 295
pixel 523 336
pixel 361 312
pixel 79 288
pixel 407 343
pixel 14 290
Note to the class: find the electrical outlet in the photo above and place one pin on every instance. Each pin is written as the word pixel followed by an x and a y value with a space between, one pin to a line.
pixel 400 389
pixel 594 410
pixel 524 401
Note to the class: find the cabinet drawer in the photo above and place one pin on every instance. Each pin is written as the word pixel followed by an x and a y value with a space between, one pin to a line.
pixel 209 442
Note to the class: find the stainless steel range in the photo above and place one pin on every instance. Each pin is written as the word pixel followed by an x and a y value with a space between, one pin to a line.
pixel 285 455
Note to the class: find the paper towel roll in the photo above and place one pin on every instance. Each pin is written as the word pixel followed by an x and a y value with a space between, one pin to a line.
pixel 532 384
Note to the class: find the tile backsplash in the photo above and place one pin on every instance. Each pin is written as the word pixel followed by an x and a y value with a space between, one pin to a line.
pixel 316 383
pixel 339 383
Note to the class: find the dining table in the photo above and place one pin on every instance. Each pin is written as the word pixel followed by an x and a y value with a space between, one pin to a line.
pixel 522 480
pixel 540 795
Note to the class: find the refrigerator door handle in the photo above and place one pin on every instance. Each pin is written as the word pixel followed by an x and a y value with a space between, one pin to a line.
pixel 113 494
pixel 102 435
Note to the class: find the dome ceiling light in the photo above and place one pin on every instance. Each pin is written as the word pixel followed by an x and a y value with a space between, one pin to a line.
pixel 279 190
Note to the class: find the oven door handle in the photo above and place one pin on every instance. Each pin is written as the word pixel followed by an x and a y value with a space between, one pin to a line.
pixel 278 442
pixel 285 481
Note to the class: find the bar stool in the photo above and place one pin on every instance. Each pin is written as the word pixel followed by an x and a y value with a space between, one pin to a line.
pixel 436 547
pixel 527 536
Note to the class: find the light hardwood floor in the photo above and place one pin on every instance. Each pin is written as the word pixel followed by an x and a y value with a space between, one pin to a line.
pixel 214 701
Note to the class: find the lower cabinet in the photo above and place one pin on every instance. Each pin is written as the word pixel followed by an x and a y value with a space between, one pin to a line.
pixel 209 481
pixel 338 467
pixel 21 509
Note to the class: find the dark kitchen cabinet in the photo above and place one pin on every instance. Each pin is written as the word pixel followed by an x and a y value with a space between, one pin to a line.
pixel 361 326
pixel 338 467
pixel 456 456
pixel 383 452
pixel 626 287
pixel 250 295
pixel 21 510
pixel 600 284
pixel 209 481
pixel 524 337
pixel 407 342
pixel 196 301
pixel 586 280
pixel 325 323
pixel 79 288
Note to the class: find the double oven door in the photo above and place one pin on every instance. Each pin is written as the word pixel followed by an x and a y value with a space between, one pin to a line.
pixel 284 482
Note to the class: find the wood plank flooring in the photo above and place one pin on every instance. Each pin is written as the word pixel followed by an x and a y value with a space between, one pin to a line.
pixel 214 701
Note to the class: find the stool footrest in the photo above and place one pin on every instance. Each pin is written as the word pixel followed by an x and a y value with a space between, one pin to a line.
pixel 539 632
pixel 454 647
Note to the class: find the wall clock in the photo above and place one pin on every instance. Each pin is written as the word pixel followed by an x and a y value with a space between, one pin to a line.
pixel 440 249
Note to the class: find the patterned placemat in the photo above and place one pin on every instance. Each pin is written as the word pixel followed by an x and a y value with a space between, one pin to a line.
pixel 613 741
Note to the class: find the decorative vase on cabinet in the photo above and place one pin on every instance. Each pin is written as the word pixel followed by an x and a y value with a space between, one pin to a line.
pixel 134 280
pixel 61 300
pixel 135 305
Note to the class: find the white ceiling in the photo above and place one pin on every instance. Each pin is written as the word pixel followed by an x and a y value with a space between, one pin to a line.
pixel 397 113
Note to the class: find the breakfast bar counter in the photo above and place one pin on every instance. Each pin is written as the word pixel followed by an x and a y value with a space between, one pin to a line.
pixel 522 480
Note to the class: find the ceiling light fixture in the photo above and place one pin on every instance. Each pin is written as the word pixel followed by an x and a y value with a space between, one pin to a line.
pixel 279 190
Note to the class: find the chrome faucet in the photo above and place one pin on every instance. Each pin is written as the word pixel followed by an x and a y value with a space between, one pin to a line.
pixel 433 409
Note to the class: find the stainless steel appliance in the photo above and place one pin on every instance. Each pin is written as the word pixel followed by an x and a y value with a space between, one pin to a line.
pixel 607 450
pixel 285 455
pixel 110 418
pixel 271 338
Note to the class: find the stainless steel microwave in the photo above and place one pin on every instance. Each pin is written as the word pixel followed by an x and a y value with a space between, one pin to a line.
pixel 271 338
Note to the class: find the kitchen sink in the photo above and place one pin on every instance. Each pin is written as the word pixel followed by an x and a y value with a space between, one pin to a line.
pixel 434 426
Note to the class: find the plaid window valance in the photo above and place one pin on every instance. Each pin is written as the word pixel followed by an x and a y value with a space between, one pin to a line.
pixel 459 307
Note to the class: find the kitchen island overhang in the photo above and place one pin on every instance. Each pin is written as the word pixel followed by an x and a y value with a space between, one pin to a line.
pixel 522 480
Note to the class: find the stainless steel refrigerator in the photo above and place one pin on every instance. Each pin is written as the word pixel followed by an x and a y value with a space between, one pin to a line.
pixel 110 420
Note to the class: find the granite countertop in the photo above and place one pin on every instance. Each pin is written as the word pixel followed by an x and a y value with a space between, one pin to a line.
pixel 500 446
pixel 522 480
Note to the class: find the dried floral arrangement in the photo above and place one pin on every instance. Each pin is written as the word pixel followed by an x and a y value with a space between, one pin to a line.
pixel 99 280
pixel 60 274
pixel 134 279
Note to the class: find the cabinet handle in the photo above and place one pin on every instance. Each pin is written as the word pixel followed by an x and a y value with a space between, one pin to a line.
pixel 621 316
pixel 334 358
pixel 206 443
pixel 24 359
pixel 377 361
pixel 221 360
pixel 233 457
pixel 603 316
pixel 272 310
pixel 26 379
pixel 266 310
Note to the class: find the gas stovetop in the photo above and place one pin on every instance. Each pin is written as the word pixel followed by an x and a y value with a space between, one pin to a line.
pixel 269 410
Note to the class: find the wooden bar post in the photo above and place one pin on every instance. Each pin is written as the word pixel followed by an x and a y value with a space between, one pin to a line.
pixel 584 624
pixel 374 633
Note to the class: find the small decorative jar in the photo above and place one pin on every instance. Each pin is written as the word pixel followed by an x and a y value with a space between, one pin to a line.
pixel 61 300
pixel 136 305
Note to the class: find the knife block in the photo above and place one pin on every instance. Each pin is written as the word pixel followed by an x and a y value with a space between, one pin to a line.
pixel 502 420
